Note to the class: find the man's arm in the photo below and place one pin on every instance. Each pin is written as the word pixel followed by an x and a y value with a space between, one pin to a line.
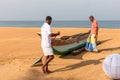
pixel 49 30
pixel 54 34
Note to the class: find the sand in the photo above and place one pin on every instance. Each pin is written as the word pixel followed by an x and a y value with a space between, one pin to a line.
pixel 20 47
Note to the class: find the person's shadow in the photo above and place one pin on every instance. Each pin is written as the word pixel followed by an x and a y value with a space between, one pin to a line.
pixel 110 49
pixel 81 64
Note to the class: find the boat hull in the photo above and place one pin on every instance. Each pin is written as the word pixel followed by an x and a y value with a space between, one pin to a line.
pixel 66 44
pixel 67 49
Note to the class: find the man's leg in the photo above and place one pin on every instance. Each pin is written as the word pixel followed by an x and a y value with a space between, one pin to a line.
pixel 45 65
pixel 94 41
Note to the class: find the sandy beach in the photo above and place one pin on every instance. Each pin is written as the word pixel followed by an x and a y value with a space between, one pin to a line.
pixel 20 47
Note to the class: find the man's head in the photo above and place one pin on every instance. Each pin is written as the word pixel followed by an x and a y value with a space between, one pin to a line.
pixel 91 18
pixel 48 19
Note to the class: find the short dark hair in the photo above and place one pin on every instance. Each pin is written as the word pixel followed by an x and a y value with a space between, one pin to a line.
pixel 91 17
pixel 48 18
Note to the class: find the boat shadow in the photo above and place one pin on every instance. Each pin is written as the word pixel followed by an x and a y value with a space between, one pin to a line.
pixel 79 65
pixel 83 52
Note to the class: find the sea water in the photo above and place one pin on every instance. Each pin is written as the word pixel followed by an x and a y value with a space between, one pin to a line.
pixel 60 24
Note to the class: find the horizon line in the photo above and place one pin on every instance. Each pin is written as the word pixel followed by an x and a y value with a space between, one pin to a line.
pixel 58 20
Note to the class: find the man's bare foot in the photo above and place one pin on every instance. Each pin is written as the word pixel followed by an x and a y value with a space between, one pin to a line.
pixel 48 71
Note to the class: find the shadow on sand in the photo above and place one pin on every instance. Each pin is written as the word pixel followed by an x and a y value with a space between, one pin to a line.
pixel 110 49
pixel 81 54
pixel 35 74
pixel 81 64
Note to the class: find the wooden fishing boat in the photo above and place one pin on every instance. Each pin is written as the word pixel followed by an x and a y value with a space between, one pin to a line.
pixel 66 44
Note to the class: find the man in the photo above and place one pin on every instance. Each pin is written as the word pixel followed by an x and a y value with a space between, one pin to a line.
pixel 46 34
pixel 92 39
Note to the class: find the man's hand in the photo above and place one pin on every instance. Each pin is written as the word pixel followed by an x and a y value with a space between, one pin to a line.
pixel 58 33
pixel 54 34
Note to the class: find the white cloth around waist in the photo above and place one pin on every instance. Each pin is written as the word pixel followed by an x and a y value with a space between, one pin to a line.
pixel 47 51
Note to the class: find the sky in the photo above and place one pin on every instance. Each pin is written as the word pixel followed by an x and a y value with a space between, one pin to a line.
pixel 59 9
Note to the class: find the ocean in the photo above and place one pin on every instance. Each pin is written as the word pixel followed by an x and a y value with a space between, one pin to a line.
pixel 59 24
